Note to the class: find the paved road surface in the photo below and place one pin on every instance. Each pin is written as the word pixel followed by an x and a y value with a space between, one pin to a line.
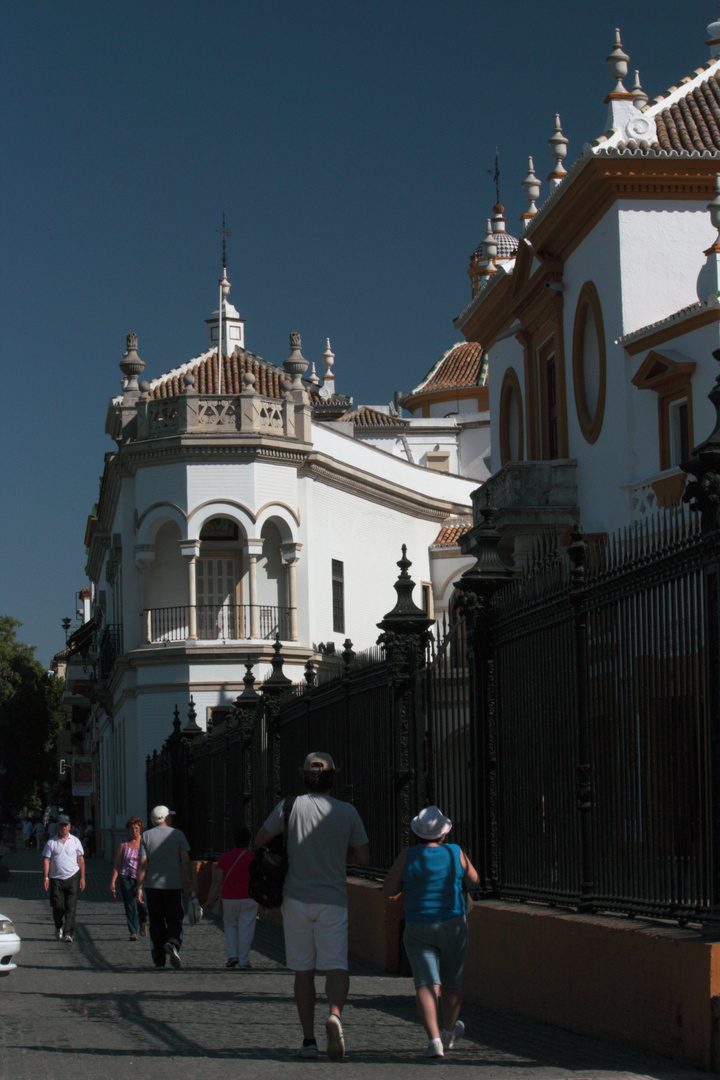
pixel 98 1010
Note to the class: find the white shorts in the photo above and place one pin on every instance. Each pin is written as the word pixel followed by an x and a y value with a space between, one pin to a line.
pixel 316 936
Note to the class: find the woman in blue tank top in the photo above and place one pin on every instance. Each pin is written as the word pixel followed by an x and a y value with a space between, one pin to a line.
pixel 431 876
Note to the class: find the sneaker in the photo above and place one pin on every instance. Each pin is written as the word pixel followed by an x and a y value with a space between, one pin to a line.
pixel 308 1052
pixel 171 950
pixel 449 1038
pixel 232 962
pixel 336 1043
pixel 59 933
pixel 133 937
pixel 68 937
pixel 143 929
pixel 434 1049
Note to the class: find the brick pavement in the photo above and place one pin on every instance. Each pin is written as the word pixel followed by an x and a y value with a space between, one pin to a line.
pixel 97 1009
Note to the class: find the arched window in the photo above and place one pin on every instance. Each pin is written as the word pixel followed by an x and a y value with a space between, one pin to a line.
pixel 511 419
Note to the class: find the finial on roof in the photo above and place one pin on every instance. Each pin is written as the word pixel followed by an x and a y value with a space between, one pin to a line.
pixel 618 61
pixel 558 144
pixel 708 282
pixel 312 377
pixel 713 38
pixel 328 382
pixel 131 365
pixel 489 248
pixel 296 364
pixel 531 187
pixel 640 98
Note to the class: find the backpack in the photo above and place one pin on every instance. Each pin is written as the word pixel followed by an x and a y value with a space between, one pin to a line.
pixel 269 867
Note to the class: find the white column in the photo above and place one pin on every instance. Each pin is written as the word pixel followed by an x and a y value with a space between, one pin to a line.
pixel 144 557
pixel 290 554
pixel 254 550
pixel 191 551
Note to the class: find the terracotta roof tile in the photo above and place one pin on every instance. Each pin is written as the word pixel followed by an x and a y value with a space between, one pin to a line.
pixel 693 122
pixel 367 417
pixel 268 378
pixel 451 532
pixel 463 365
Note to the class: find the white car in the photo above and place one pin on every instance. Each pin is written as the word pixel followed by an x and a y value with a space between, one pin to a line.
pixel 9 945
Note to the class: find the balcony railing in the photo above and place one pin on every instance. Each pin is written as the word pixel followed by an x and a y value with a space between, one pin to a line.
pixel 217 622
pixel 110 646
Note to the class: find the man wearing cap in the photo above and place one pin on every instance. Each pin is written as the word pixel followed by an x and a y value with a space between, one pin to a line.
pixel 324 834
pixel 64 874
pixel 164 863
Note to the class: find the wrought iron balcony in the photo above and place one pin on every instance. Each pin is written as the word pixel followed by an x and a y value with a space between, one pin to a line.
pixel 217 622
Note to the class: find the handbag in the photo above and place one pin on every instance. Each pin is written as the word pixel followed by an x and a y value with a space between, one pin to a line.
pixel 270 866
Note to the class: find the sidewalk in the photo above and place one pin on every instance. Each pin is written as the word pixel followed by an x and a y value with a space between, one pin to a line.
pixel 97 1009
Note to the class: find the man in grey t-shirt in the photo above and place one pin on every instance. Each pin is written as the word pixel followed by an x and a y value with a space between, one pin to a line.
pixel 324 834
pixel 163 873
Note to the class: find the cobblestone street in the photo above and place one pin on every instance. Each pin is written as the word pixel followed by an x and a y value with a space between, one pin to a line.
pixel 97 1008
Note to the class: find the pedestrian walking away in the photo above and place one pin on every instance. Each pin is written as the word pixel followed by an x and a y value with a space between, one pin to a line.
pixel 230 883
pixel 162 876
pixel 431 875
pixel 324 834
pixel 64 875
pixel 124 878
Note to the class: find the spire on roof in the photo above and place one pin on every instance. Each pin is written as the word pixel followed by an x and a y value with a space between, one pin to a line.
pixel 640 98
pixel 226 322
pixel 328 384
pixel 558 144
pixel 713 38
pixel 618 61
pixel 531 187
pixel 622 107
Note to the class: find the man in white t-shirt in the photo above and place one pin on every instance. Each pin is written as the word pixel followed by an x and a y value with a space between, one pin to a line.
pixel 324 834
pixel 64 873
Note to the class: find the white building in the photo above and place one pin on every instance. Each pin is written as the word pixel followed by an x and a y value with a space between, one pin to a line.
pixel 227 518
pixel 601 320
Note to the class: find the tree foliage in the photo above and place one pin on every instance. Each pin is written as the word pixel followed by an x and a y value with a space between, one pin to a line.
pixel 31 717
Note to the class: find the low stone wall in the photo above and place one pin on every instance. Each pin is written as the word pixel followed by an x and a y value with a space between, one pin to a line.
pixel 628 981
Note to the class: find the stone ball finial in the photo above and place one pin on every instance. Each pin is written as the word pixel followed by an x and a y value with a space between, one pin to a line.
pixel 286 385
pixel 713 38
pixel 249 380
pixel 144 386
pixel 189 379
pixel 618 61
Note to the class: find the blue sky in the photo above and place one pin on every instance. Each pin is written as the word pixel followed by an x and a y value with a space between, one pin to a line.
pixel 350 146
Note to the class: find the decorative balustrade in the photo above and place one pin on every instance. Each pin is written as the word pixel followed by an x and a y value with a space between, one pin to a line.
pixel 247 413
pixel 661 492
pixel 217 622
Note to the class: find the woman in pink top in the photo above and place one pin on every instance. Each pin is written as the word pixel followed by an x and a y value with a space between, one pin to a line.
pixel 230 882
pixel 124 875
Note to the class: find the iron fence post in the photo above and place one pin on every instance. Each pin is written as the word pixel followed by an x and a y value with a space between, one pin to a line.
pixel 478 586
pixel 245 712
pixel 578 553
pixel 273 690
pixel 404 638
pixel 703 494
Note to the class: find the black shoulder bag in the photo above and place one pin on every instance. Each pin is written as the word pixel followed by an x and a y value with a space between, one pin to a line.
pixel 270 866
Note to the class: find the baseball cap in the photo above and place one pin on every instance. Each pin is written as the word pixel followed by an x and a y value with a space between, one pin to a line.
pixel 430 824
pixel 63 819
pixel 159 813
pixel 318 762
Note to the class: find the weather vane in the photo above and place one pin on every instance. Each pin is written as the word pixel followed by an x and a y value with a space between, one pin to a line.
pixel 496 175
pixel 225 233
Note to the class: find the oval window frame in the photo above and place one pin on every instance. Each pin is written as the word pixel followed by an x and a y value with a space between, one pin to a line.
pixel 590 426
